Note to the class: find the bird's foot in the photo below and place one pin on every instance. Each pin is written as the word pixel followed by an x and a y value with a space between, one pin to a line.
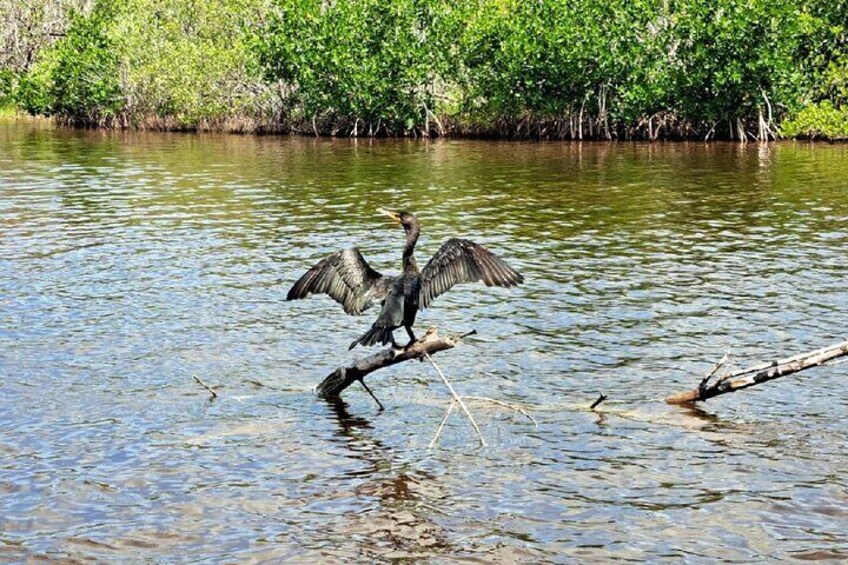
pixel 410 344
pixel 412 338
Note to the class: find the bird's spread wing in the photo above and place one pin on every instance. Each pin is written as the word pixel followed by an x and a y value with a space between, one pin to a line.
pixel 460 260
pixel 348 278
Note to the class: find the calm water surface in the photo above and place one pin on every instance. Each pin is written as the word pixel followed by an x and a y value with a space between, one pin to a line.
pixel 131 262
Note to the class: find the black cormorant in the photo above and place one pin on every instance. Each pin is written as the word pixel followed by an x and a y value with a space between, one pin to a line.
pixel 350 280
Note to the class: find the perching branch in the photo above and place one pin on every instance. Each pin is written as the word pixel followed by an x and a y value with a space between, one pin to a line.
pixel 744 378
pixel 336 382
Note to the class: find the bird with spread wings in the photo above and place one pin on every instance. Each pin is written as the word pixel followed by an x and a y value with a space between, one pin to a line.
pixel 348 278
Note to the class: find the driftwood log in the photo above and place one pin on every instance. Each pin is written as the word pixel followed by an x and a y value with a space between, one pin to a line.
pixel 336 382
pixel 744 378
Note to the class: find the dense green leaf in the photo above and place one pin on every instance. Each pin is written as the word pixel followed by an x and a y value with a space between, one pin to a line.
pixel 556 68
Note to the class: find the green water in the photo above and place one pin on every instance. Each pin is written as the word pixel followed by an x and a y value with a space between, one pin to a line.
pixel 131 262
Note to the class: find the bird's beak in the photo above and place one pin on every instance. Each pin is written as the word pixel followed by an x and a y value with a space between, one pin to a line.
pixel 393 215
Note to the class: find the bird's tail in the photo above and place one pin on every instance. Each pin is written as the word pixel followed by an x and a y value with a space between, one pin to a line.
pixel 377 334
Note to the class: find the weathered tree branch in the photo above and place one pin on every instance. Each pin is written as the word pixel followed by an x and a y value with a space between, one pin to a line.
pixel 336 382
pixel 744 378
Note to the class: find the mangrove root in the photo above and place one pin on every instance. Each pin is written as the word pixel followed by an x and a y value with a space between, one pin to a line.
pixel 744 378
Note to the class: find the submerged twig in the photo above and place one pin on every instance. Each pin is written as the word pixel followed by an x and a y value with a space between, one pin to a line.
pixel 377 400
pixel 455 401
pixel 597 403
pixel 457 398
pixel 207 387
pixel 442 425
pixel 513 407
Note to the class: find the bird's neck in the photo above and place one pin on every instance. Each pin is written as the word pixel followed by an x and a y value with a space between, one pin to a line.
pixel 409 264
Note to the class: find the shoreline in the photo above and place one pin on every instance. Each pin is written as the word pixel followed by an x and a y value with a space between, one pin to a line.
pixel 12 114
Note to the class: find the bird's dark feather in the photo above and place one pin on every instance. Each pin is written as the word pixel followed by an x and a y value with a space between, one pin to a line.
pixel 348 278
pixel 461 260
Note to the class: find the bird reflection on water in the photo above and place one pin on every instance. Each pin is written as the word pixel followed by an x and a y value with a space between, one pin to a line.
pixel 406 497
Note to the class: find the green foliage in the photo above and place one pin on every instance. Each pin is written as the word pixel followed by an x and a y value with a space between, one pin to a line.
pixel 834 83
pixel 821 120
pixel 733 53
pixel 706 61
pixel 34 93
pixel 84 81
pixel 602 68
pixel 77 76
pixel 546 58
pixel 188 61
pixel 8 84
pixel 516 64
pixel 370 60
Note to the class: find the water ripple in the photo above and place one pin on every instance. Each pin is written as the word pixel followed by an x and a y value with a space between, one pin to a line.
pixel 130 262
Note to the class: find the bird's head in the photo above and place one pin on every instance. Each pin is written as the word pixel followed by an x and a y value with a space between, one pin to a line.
pixel 405 219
